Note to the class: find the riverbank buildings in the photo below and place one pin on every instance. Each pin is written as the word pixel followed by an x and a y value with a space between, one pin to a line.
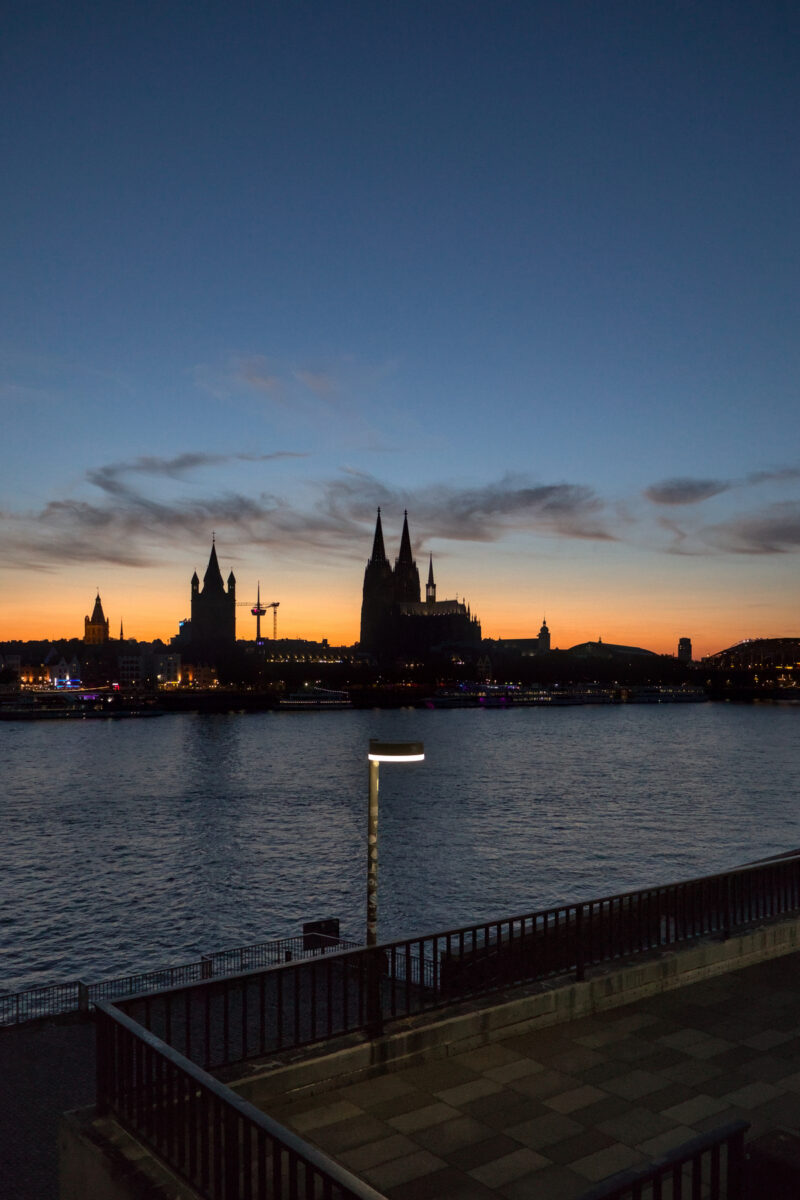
pixel 396 623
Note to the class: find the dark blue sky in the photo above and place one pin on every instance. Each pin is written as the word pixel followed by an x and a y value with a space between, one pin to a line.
pixel 442 255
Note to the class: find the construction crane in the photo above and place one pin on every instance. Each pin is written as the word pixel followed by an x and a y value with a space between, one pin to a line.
pixel 259 610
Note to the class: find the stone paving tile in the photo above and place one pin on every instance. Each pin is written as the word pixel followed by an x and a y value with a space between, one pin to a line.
pixel 603 1110
pixel 509 1167
pixel 604 1071
pixel 766 1039
pixel 635 1126
pixel 666 1097
pixel 790 1083
pixel 466 1158
pixel 632 1050
pixel 653 1148
pixel 588 1141
pixel 382 1087
pixel 710 1047
pixel 505 1108
pixel 324 1114
pixel 423 1118
pixel 544 1131
pixel 371 1154
pixel 551 1183
pixel 783 1110
pixel 403 1103
pixel 440 1073
pixel 344 1135
pixel 751 1096
pixel 515 1069
pixel 576 1098
pixel 544 1084
pixel 634 1084
pixel 462 1093
pixel 486 1058
pixel 608 1161
pixel 386 1175
pixel 767 1069
pixel 447 1184
pixel 578 1059
pixel 691 1111
pixel 692 1071
pixel 453 1135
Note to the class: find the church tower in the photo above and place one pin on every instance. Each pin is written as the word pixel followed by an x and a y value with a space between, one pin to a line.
pixel 213 611
pixel 95 627
pixel 406 575
pixel 378 594
pixel 544 639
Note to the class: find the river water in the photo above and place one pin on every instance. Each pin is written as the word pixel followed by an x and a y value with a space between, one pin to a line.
pixel 139 843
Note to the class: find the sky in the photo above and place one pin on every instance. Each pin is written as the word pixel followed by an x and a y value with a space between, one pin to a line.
pixel 527 270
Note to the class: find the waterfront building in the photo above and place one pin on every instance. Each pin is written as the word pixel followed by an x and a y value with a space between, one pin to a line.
pixel 685 650
pixel 758 653
pixel 395 621
pixel 96 626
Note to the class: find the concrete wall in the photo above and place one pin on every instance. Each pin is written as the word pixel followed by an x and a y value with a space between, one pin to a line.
pixel 97 1160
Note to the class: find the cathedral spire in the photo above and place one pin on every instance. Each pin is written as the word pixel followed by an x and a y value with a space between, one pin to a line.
pixel 430 586
pixel 213 575
pixel 378 552
pixel 405 543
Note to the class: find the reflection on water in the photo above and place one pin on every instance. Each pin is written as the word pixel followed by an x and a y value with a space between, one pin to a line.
pixel 131 844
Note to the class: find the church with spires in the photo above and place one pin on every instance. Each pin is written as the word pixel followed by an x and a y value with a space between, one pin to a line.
pixel 210 633
pixel 395 622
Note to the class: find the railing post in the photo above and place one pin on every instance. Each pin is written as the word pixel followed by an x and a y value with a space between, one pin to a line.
pixel 83 997
pixel 736 1167
pixel 726 933
pixel 373 985
pixel 102 1054
pixel 206 966
pixel 580 968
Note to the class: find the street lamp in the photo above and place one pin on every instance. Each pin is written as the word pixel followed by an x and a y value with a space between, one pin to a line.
pixel 398 752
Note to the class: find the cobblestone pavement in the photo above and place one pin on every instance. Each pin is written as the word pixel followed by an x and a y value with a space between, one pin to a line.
pixel 545 1115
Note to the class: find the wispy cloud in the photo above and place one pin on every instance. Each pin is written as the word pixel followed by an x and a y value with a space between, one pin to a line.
pixel 685 491
pixel 774 530
pixel 126 525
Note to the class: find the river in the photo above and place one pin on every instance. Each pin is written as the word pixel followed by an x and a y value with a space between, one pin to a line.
pixel 129 844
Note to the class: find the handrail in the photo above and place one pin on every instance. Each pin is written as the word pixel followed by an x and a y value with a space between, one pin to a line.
pixel 55 999
pixel 289 1005
pixel 205 1131
pixel 630 1183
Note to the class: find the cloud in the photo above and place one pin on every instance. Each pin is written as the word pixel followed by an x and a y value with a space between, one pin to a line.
pixel 774 530
pixel 683 490
pixel 686 491
pixel 110 477
pixel 125 525
pixel 482 514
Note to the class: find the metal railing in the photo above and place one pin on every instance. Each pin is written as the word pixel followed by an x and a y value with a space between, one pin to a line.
pixel 224 1147
pixel 711 1166
pixel 76 996
pixel 222 1021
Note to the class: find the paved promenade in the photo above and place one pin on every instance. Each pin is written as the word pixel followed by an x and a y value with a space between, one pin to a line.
pixel 540 1116
pixel 545 1115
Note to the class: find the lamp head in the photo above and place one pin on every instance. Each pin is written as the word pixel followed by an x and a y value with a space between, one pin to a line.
pixel 395 751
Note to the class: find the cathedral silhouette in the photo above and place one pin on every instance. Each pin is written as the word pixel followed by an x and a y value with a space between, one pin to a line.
pixel 395 622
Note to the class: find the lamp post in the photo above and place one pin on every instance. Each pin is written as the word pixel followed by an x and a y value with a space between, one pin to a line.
pixel 397 752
